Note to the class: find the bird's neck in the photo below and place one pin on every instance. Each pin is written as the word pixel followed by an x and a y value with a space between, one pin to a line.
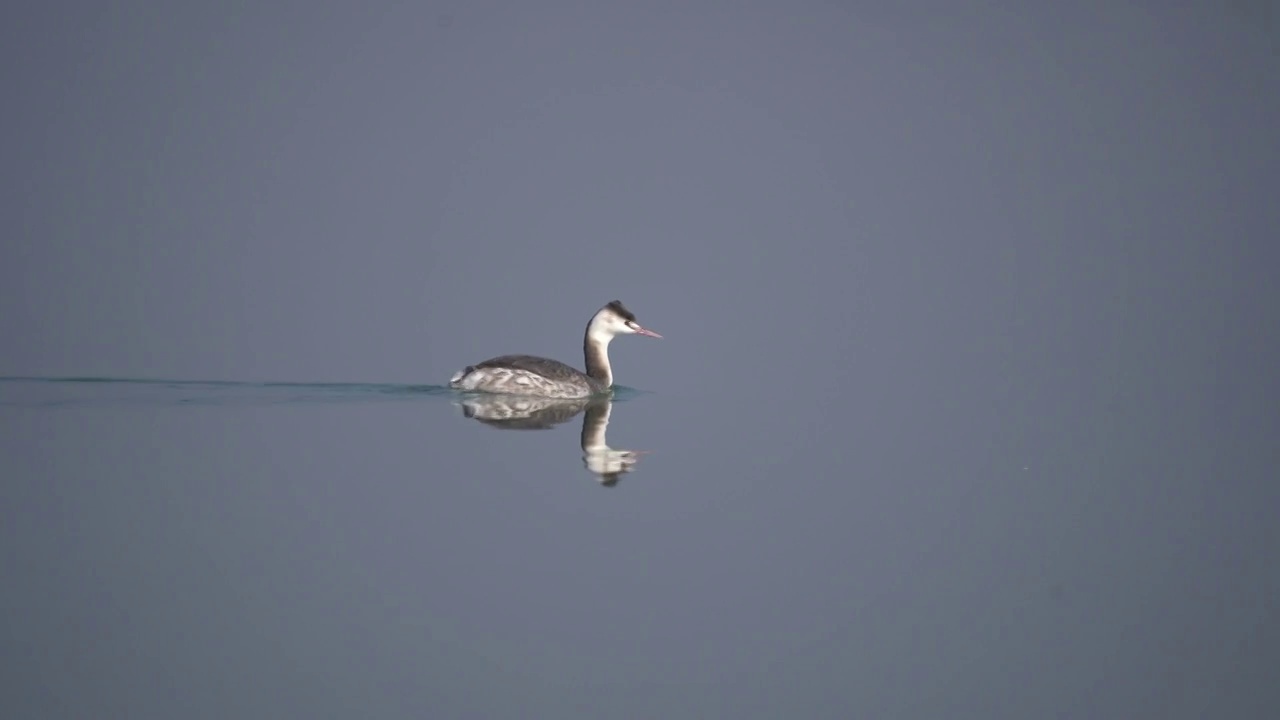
pixel 595 347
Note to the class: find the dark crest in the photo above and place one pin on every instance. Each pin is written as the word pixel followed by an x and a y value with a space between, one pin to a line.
pixel 622 310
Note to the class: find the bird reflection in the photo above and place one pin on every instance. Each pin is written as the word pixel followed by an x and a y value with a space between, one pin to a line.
pixel 517 412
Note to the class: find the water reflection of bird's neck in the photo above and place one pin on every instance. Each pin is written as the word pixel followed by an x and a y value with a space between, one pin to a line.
pixel 608 464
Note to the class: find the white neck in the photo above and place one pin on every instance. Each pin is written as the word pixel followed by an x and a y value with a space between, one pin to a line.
pixel 596 350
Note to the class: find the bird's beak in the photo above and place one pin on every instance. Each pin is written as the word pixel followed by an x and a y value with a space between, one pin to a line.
pixel 643 331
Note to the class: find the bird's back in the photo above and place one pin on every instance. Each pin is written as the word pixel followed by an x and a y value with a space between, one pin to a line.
pixel 527 375
pixel 546 367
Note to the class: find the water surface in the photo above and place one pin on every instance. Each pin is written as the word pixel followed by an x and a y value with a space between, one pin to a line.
pixel 219 549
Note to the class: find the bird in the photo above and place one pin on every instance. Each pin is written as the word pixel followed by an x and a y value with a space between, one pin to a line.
pixel 543 377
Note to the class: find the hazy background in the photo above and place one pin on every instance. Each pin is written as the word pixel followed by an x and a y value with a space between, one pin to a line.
pixel 957 298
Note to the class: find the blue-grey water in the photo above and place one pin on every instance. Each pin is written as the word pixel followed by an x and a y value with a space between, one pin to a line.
pixel 230 549
pixel 966 405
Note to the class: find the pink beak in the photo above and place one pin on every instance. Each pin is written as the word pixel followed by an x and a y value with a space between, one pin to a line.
pixel 642 331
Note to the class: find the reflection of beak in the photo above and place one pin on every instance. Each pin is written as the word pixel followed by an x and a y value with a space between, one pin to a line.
pixel 642 331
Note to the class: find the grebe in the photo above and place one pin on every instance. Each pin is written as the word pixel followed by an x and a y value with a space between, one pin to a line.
pixel 530 375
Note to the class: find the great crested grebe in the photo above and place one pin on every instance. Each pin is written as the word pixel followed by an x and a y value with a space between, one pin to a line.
pixel 531 375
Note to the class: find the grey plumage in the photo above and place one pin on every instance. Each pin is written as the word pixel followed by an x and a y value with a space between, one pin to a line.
pixel 544 377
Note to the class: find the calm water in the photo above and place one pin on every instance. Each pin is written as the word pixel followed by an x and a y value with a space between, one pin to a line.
pixel 182 549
